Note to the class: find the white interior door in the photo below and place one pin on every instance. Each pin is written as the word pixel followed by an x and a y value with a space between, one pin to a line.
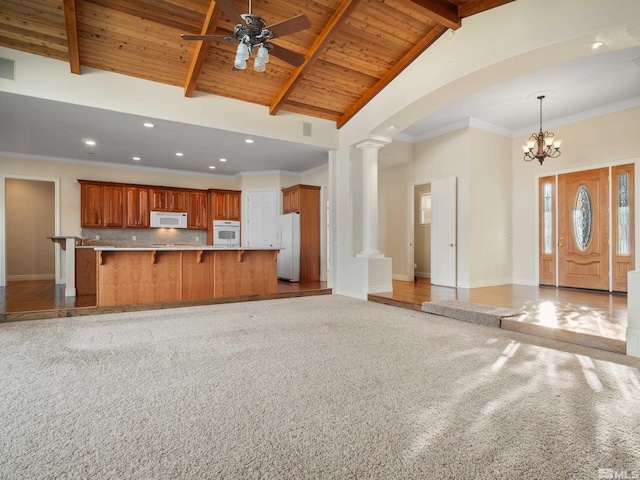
pixel 443 232
pixel 260 224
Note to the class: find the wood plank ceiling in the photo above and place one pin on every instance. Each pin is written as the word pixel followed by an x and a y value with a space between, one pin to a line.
pixel 353 49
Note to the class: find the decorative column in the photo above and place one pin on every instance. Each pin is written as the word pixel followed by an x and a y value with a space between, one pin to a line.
pixel 370 149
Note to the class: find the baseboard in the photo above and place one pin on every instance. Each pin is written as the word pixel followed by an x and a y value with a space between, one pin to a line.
pixel 380 288
pixel 404 278
pixel 347 293
pixel 490 283
pixel 26 278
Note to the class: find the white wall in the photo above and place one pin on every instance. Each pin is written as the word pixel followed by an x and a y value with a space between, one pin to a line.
pixel 490 232
pixel 394 221
pixel 29 220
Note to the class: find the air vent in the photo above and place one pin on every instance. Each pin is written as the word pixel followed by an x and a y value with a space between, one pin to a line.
pixel 7 69
pixel 306 129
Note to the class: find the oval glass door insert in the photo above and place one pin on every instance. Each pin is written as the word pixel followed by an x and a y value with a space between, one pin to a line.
pixel 583 218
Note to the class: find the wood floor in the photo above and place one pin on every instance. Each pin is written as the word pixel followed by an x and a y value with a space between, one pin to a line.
pixel 37 299
pixel 590 318
pixel 595 319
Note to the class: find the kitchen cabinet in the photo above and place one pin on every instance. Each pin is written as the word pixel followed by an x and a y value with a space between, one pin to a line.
pixel 305 200
pixel 136 207
pixel 168 200
pixel 291 200
pixel 85 271
pixel 197 213
pixel 101 205
pixel 225 204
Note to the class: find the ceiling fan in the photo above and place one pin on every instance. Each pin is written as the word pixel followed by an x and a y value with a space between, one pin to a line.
pixel 251 31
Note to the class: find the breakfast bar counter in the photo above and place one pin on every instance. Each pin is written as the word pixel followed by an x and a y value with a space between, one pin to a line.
pixel 133 275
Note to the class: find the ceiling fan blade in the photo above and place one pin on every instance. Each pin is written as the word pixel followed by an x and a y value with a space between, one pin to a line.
pixel 230 11
pixel 294 24
pixel 206 38
pixel 287 55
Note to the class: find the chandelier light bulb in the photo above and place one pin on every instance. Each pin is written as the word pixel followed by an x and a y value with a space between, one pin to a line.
pixel 240 63
pixel 556 144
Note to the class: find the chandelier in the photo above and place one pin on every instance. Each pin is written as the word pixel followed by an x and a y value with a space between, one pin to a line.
pixel 542 144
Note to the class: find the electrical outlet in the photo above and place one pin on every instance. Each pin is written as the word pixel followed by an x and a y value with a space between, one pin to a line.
pixel 133 238
pixel 97 237
pixel 197 239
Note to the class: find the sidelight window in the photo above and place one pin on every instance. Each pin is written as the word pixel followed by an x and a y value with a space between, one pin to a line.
pixel 547 220
pixel 623 214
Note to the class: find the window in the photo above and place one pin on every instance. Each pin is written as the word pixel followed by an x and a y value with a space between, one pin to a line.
pixel 425 209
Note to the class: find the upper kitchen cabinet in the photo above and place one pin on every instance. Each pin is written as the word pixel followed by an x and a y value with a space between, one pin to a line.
pixel 136 207
pixel 168 200
pixel 101 205
pixel 197 213
pixel 225 204
pixel 291 199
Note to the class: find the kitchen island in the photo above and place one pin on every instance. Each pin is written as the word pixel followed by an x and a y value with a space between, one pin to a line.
pixel 133 275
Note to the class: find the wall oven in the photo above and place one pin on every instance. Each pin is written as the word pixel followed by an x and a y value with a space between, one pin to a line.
pixel 226 233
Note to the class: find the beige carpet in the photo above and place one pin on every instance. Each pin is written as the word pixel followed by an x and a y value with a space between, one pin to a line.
pixel 486 315
pixel 322 387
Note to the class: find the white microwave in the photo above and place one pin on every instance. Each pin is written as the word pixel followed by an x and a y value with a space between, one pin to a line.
pixel 168 220
pixel 226 233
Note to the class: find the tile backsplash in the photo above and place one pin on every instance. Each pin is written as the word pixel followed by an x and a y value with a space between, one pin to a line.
pixel 124 237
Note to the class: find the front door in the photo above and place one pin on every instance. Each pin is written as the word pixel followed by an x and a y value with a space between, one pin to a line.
pixel 583 229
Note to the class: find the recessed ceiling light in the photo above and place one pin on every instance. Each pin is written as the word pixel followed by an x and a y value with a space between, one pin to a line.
pixel 597 44
pixel 212 167
pixel 148 125
pixel 248 140
pixel 223 159
pixel 179 154
pixel 136 158
pixel 90 142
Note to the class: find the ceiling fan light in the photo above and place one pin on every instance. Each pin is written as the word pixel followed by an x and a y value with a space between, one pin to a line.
pixel 258 65
pixel 243 51
pixel 240 63
pixel 263 54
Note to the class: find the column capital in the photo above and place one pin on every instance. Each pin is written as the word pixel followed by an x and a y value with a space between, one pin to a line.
pixel 374 141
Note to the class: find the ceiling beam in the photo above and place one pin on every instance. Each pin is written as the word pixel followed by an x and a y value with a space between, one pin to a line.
pixel 71 22
pixel 440 11
pixel 477 6
pixel 202 48
pixel 321 41
pixel 403 63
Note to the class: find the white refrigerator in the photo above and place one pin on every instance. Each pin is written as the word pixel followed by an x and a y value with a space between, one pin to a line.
pixel 288 239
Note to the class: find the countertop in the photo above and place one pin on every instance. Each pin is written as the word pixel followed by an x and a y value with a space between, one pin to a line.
pixel 105 248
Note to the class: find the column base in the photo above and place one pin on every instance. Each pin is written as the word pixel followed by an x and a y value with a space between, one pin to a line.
pixel 633 345
pixel 378 271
